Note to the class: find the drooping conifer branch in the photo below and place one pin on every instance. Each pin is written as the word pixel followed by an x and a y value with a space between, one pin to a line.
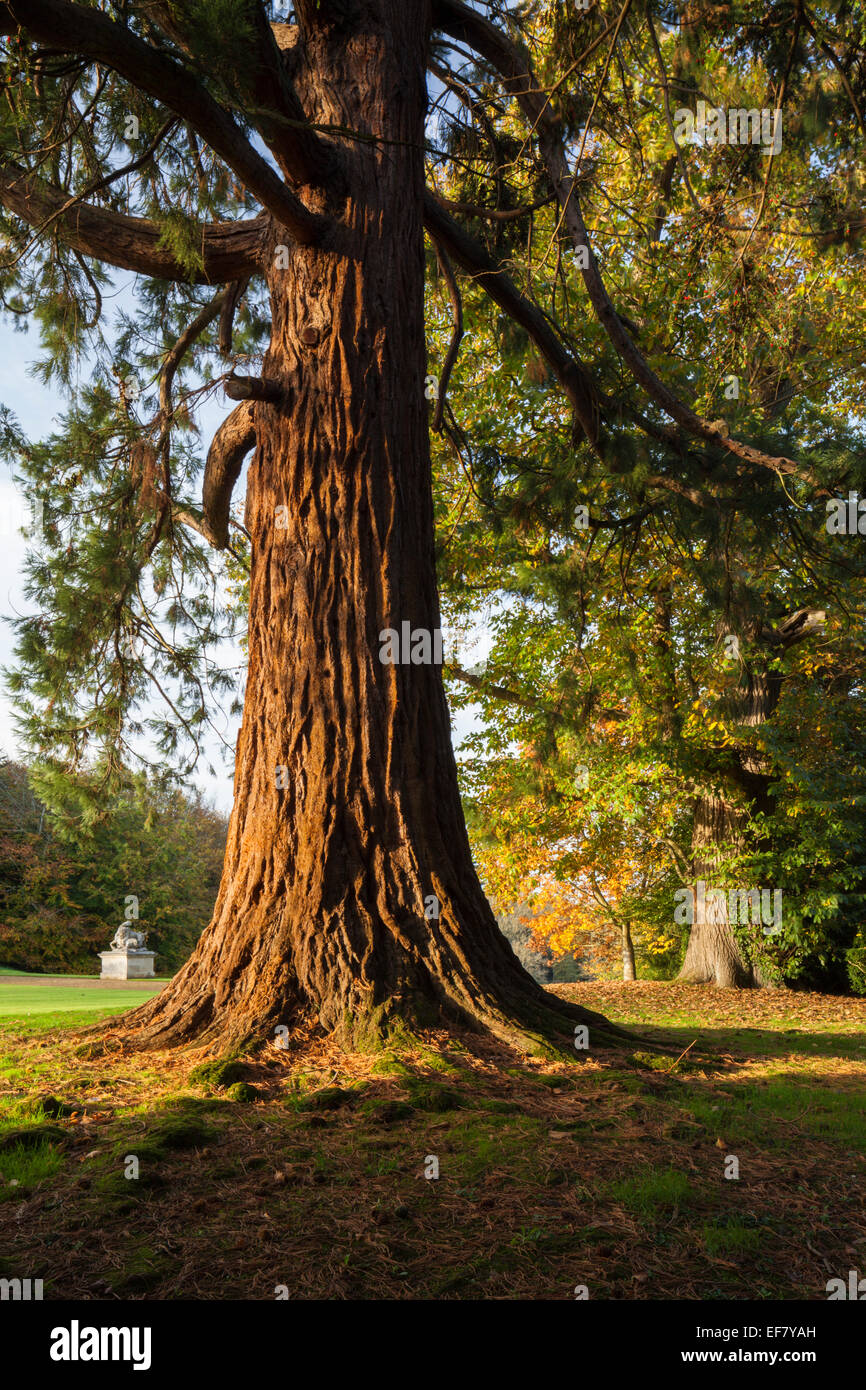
pixel 456 334
pixel 471 28
pixel 86 32
pixel 473 258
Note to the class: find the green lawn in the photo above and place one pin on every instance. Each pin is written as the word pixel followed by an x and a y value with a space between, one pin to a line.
pixel 21 1000
pixel 63 974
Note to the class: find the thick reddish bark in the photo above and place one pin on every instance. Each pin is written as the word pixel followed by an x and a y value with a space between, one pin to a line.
pixel 321 910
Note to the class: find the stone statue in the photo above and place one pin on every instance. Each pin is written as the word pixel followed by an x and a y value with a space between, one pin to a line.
pixel 129 958
pixel 127 939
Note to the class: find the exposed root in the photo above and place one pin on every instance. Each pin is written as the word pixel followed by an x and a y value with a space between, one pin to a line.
pixel 530 1019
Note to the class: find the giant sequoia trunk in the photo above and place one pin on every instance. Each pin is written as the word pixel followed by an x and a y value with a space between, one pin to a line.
pixel 348 894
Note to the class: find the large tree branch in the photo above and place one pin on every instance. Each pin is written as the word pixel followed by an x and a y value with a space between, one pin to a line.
pixel 71 28
pixel 516 697
pixel 796 627
pixel 230 250
pixel 97 185
pixel 472 257
pixel 301 153
pixel 472 29
pixel 276 108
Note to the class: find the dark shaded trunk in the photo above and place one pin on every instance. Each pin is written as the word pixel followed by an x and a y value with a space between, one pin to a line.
pixel 713 955
pixel 629 971
pixel 348 895
pixel 720 825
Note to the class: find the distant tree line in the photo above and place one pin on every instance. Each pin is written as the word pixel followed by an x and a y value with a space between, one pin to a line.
pixel 516 925
pixel 67 880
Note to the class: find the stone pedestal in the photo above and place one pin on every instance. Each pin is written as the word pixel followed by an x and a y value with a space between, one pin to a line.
pixel 128 963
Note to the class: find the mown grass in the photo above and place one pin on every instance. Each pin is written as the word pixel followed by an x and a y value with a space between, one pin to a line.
pixel 662 1189
pixel 734 1238
pixel 25 1167
pixel 28 1000
pixel 758 1115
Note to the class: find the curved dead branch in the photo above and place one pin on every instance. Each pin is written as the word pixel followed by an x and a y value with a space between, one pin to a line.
pixel 252 388
pixel 235 293
pixel 229 447
pixel 456 333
